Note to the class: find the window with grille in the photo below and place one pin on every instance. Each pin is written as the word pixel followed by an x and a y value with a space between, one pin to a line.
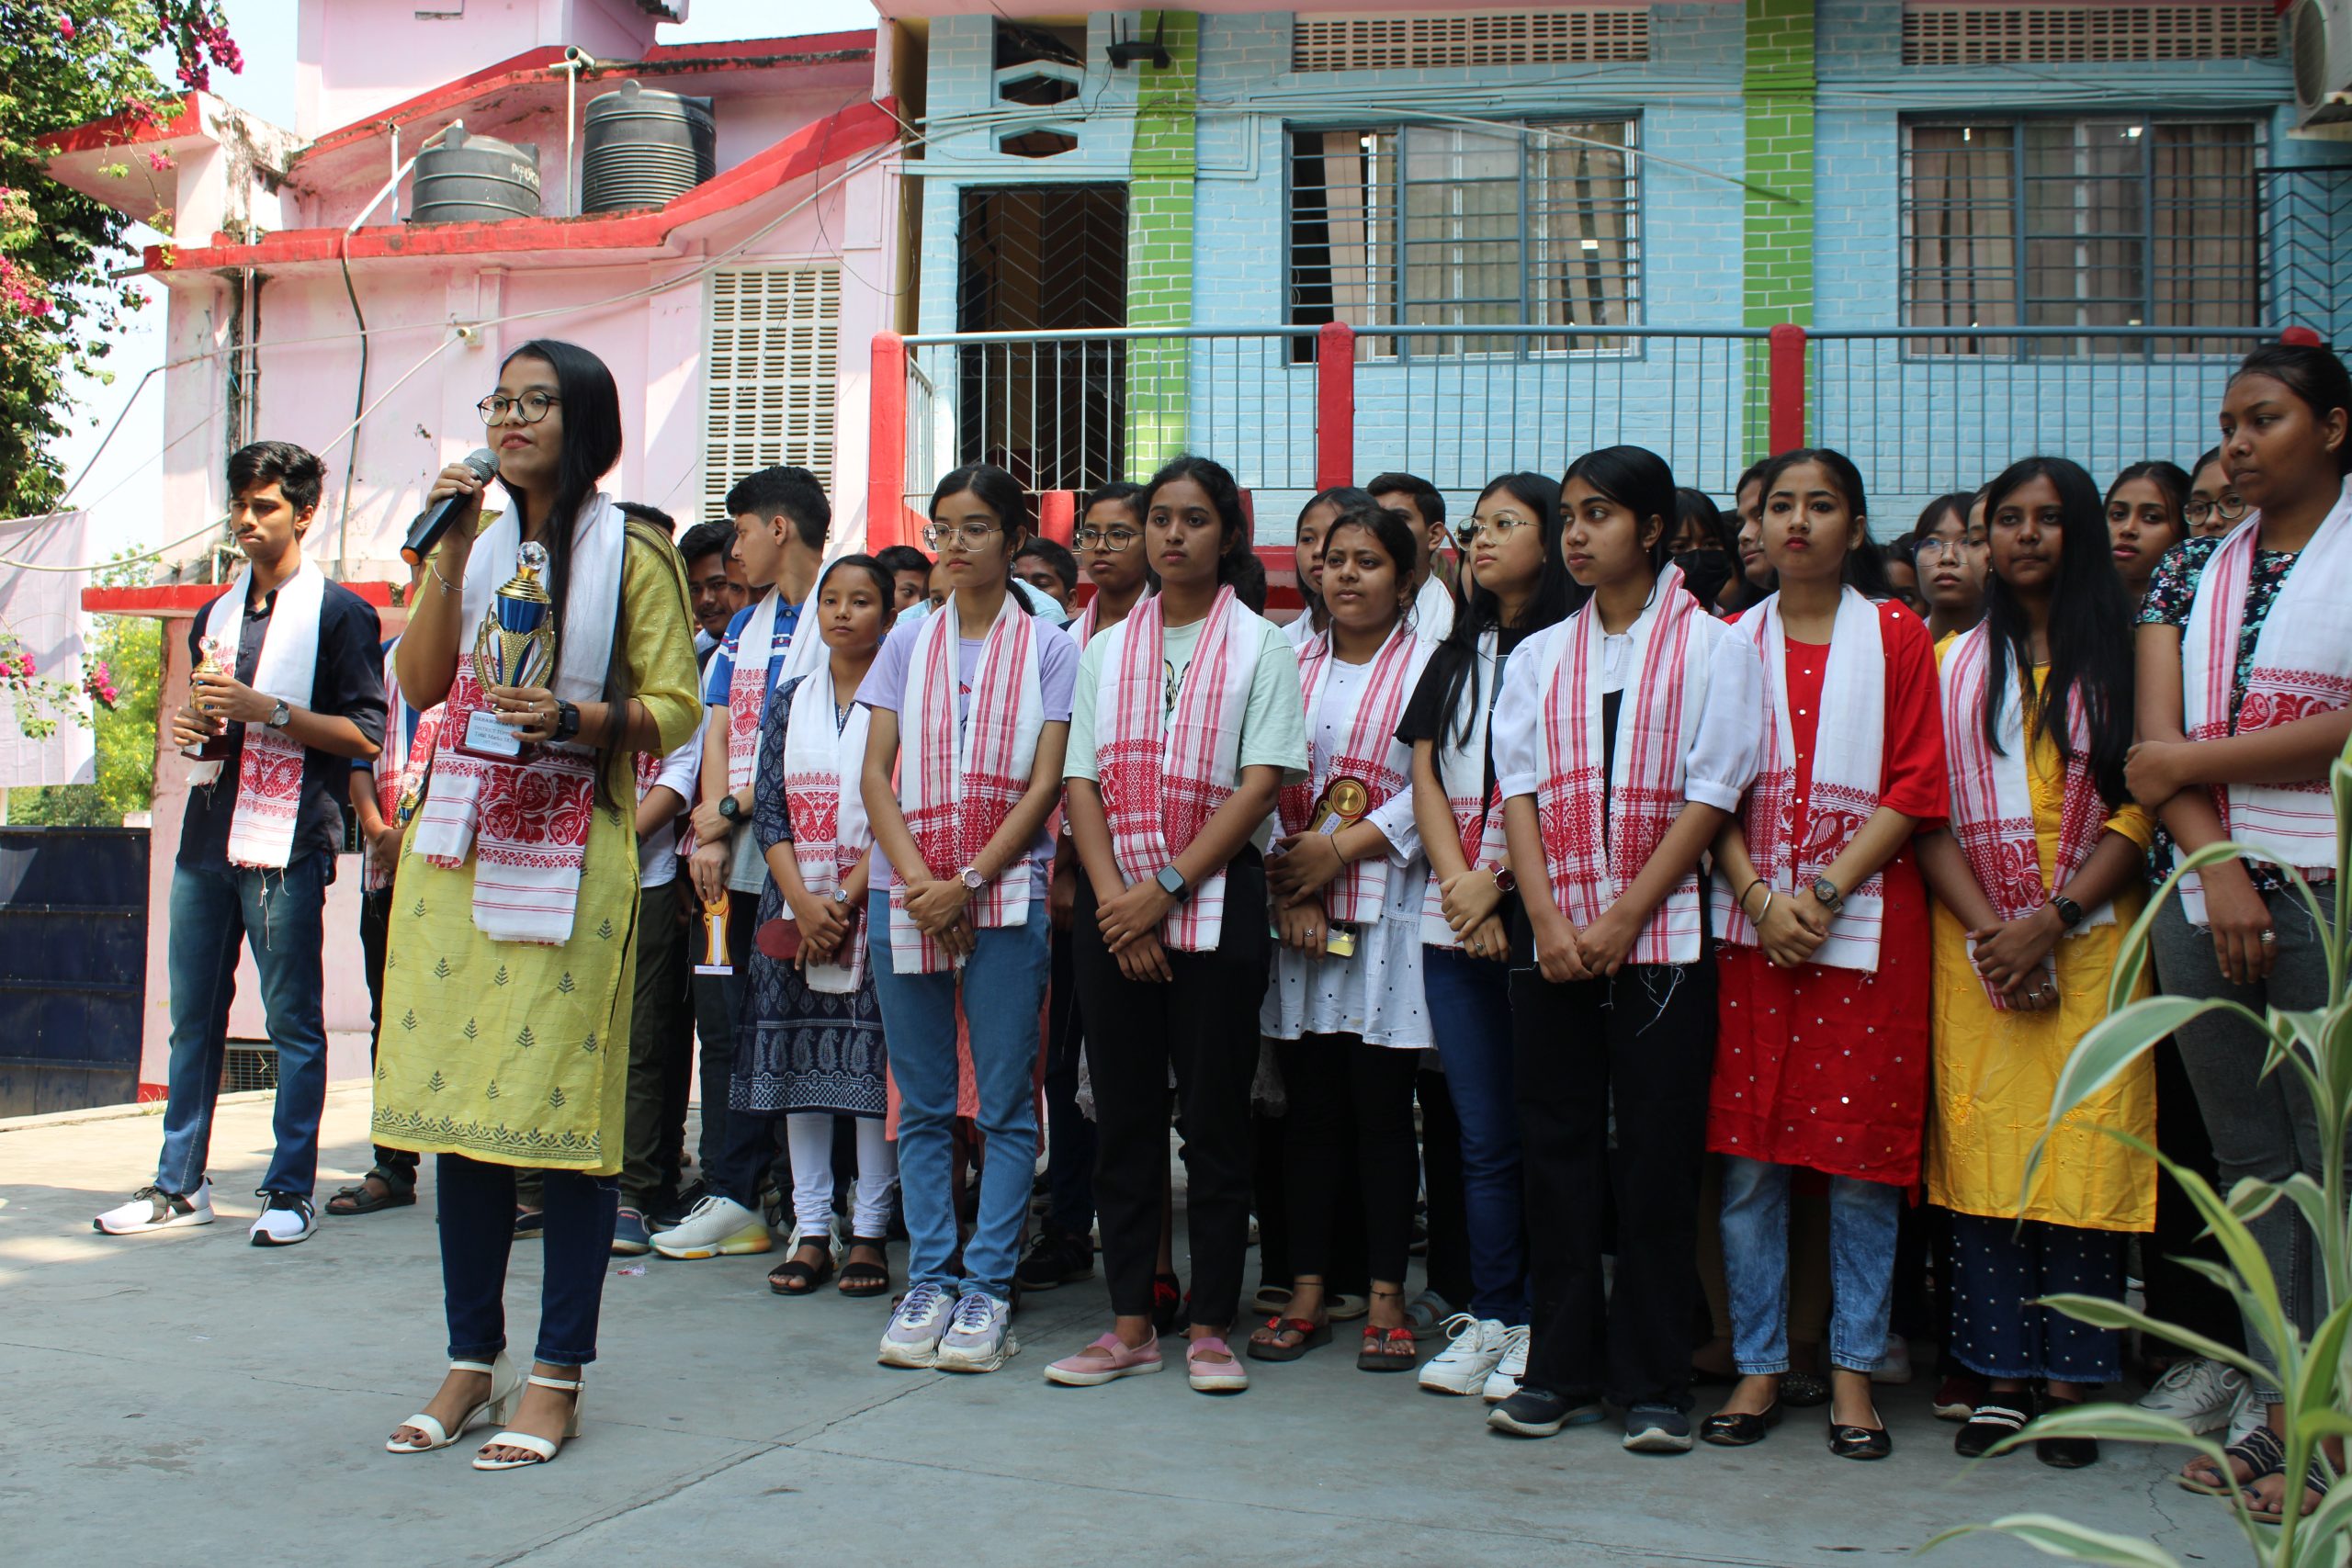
pixel 1494 38
pixel 2052 35
pixel 768 371
pixel 2112 222
pixel 1464 226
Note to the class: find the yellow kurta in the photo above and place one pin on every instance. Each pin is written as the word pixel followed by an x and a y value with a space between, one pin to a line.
pixel 518 1052
pixel 1995 1071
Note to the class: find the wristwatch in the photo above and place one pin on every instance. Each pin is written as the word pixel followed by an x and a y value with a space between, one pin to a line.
pixel 2070 914
pixel 971 878
pixel 282 716
pixel 729 807
pixel 566 721
pixel 1826 892
pixel 1172 882
pixel 841 895
pixel 1504 881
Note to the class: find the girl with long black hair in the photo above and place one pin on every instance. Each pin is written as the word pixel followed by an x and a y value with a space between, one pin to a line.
pixel 1520 585
pixel 1186 721
pixel 2036 878
pixel 2146 516
pixel 513 944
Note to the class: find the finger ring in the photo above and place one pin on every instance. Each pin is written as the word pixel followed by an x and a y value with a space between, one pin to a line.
pixel 2269 937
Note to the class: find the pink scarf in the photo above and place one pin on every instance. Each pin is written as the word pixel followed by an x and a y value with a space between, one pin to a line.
pixel 821 769
pixel 1590 868
pixel 1163 775
pixel 1370 753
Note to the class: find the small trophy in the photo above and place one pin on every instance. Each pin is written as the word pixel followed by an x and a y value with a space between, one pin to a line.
pixel 714 936
pixel 213 748
pixel 513 647
pixel 1344 804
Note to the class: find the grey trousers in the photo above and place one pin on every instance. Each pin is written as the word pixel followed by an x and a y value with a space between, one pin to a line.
pixel 2262 1127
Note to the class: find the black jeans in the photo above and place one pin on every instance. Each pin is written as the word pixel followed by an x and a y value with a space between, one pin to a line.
pixel 375 921
pixel 1644 1040
pixel 717 1000
pixel 2176 1293
pixel 1069 1137
pixel 660 1044
pixel 477 1208
pixel 1204 1026
pixel 1336 1084
pixel 1448 1261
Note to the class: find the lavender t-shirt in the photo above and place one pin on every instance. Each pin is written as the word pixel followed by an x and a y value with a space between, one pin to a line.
pixel 886 685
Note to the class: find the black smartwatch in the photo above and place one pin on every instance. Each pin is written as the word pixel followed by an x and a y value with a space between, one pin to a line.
pixel 2070 914
pixel 1826 891
pixel 1172 882
pixel 567 719
pixel 729 807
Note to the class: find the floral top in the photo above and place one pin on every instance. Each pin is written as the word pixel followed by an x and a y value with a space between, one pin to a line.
pixel 2172 591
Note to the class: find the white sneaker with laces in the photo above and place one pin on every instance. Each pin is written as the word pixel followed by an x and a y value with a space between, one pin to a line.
pixel 1474 1349
pixel 911 1339
pixel 979 1338
pixel 715 1227
pixel 1503 1381
pixel 1893 1368
pixel 152 1209
pixel 2201 1393
pixel 2245 1416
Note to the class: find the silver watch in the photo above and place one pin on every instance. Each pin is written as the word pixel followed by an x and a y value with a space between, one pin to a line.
pixel 282 716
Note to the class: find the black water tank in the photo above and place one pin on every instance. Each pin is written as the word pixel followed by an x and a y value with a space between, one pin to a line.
pixel 475 179
pixel 642 146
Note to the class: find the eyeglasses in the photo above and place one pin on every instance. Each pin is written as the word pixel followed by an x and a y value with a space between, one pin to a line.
pixel 533 405
pixel 971 536
pixel 1111 539
pixel 2229 509
pixel 1938 545
pixel 1499 526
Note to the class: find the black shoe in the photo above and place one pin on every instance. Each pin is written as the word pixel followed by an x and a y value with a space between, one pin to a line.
pixel 2064 1453
pixel 1858 1442
pixel 1540 1412
pixel 1737 1429
pixel 1999 1415
pixel 1657 1430
pixel 674 1213
pixel 1056 1260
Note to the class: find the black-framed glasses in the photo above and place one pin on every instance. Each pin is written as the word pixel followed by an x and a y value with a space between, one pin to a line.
pixel 1111 539
pixel 1500 524
pixel 2229 509
pixel 532 405
pixel 971 536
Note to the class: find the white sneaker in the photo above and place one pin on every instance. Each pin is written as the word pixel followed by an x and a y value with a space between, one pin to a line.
pixel 912 1337
pixel 1503 1381
pixel 979 1338
pixel 2201 1393
pixel 715 1227
pixel 1895 1367
pixel 284 1218
pixel 1474 1349
pixel 152 1209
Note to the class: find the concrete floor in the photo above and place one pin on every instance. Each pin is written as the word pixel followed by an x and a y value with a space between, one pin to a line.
pixel 187 1399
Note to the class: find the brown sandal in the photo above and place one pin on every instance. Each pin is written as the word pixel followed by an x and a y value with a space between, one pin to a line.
pixel 1307 1334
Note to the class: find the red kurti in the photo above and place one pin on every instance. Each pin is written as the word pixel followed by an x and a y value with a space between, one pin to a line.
pixel 1824 1067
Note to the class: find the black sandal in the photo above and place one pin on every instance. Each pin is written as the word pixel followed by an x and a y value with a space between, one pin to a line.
pixel 862 1279
pixel 794 1278
pixel 399 1192
pixel 2260 1450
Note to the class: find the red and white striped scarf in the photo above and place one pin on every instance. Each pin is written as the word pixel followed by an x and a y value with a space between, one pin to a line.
pixel 822 797
pixel 1370 753
pixel 1992 795
pixel 400 770
pixel 2302 666
pixel 1591 861
pixel 1849 759
pixel 957 784
pixel 270 762
pixel 1461 770
pixel 524 823
pixel 747 691
pixel 1162 775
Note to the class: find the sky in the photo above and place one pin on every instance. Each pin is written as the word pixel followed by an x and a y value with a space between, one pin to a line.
pixel 123 488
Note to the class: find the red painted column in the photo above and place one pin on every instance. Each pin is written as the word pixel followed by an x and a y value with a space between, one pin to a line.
pixel 1785 424
pixel 1335 405
pixel 2299 337
pixel 1058 514
pixel 885 473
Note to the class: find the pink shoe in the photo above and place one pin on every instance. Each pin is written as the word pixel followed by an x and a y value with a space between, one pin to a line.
pixel 1120 1361
pixel 1227 1376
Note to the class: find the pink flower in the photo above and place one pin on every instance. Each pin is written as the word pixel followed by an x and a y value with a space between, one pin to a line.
pixel 66 27
pixel 159 160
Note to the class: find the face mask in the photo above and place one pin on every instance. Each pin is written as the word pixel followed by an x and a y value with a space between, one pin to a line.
pixel 1704 572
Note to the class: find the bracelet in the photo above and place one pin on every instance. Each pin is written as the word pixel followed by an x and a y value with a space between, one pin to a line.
pixel 1758 918
pixel 1741 902
pixel 446 586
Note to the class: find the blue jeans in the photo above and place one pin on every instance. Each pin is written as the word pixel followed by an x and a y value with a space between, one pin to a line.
pixel 1003 985
pixel 477 1210
pixel 1469 1001
pixel 1756 1266
pixel 282 916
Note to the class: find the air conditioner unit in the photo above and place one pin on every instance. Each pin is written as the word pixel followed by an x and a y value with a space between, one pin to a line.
pixel 2319 46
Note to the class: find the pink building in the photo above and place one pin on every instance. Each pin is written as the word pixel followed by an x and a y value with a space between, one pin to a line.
pixel 736 316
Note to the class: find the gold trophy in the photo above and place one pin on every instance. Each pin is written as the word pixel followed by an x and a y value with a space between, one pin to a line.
pixel 1344 802
pixel 714 936
pixel 514 646
pixel 213 748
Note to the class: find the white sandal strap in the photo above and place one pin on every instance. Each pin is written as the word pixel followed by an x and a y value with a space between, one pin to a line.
pixel 430 1427
pixel 473 1366
pixel 569 1385
pixel 524 1441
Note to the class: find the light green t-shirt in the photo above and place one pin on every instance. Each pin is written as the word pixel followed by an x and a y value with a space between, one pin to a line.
pixel 1274 726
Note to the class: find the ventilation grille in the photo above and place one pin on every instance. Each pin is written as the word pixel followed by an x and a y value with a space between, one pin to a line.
pixel 1496 37
pixel 2085 35
pixel 247 1066
pixel 770 374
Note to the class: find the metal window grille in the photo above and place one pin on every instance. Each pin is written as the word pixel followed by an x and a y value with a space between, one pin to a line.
pixel 1444 225
pixel 1479 38
pixel 1937 34
pixel 248 1064
pixel 2111 222
pixel 769 375
pixel 2307 237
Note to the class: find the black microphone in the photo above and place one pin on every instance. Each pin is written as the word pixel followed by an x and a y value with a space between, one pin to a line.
pixel 433 521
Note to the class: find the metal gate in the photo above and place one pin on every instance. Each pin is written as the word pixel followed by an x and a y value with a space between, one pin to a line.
pixel 73 966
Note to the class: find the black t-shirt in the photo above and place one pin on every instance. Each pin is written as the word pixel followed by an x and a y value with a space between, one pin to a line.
pixel 1426 718
pixel 347 683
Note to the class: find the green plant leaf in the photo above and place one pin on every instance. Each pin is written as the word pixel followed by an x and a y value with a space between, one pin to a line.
pixel 2106 1311
pixel 2114 1423
pixel 2054 1537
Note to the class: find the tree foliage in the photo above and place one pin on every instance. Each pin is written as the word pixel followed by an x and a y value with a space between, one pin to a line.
pixel 131 648
pixel 63 65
